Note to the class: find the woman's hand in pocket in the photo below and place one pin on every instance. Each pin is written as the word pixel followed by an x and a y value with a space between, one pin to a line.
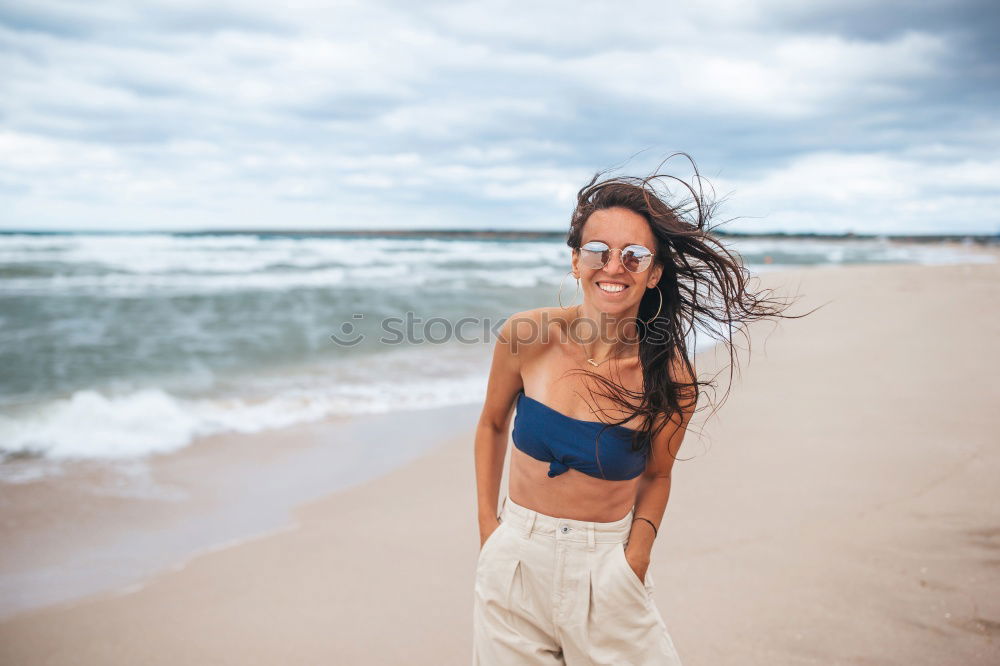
pixel 639 561
pixel 486 530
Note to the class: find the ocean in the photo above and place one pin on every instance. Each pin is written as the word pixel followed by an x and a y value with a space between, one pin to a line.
pixel 122 346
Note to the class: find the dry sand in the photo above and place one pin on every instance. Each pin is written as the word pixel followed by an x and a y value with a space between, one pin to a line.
pixel 840 508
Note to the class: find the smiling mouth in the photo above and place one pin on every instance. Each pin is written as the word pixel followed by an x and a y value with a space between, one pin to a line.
pixel 612 287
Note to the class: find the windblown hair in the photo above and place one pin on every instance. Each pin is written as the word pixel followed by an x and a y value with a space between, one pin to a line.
pixel 705 286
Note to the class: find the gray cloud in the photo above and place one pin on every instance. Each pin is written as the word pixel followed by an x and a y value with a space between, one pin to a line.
pixel 825 117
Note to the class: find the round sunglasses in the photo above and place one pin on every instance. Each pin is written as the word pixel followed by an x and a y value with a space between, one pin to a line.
pixel 597 254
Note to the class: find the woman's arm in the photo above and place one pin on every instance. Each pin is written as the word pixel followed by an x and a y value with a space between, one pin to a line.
pixel 654 488
pixel 494 422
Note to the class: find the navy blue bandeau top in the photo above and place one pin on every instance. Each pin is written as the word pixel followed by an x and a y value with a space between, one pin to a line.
pixel 552 437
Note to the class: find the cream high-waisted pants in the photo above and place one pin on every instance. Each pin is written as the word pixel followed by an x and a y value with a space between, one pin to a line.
pixel 559 591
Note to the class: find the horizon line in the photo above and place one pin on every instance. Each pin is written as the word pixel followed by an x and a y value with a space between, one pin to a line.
pixel 497 233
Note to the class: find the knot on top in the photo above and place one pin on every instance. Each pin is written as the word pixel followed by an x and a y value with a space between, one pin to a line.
pixel 556 468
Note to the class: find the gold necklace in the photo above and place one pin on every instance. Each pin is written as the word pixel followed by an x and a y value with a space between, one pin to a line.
pixel 591 360
pixel 594 362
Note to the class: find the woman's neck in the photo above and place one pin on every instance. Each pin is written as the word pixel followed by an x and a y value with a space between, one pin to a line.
pixel 604 335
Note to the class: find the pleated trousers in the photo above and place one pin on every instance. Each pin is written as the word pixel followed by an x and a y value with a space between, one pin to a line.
pixel 553 590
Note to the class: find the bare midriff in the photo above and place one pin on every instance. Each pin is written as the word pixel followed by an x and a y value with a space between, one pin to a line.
pixel 572 494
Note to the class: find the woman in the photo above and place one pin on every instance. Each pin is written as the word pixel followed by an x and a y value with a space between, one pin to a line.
pixel 603 393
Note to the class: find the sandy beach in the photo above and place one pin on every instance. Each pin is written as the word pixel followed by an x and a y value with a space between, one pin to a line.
pixel 840 508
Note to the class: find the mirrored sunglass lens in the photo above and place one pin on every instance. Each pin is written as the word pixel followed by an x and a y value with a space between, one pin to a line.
pixel 594 255
pixel 636 259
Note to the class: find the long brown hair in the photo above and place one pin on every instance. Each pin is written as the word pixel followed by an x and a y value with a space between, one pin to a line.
pixel 705 287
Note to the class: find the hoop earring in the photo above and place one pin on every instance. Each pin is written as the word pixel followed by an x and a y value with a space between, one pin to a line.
pixel 657 288
pixel 561 283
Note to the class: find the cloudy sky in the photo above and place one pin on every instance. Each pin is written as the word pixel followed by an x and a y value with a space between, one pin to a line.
pixel 872 117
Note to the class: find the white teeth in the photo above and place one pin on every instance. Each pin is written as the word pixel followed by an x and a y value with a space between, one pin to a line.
pixel 613 288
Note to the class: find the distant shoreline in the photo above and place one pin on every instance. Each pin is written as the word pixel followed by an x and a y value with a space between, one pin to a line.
pixel 504 234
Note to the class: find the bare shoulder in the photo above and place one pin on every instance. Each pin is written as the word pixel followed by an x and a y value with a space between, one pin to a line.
pixel 669 437
pixel 680 372
pixel 531 331
pixel 520 341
